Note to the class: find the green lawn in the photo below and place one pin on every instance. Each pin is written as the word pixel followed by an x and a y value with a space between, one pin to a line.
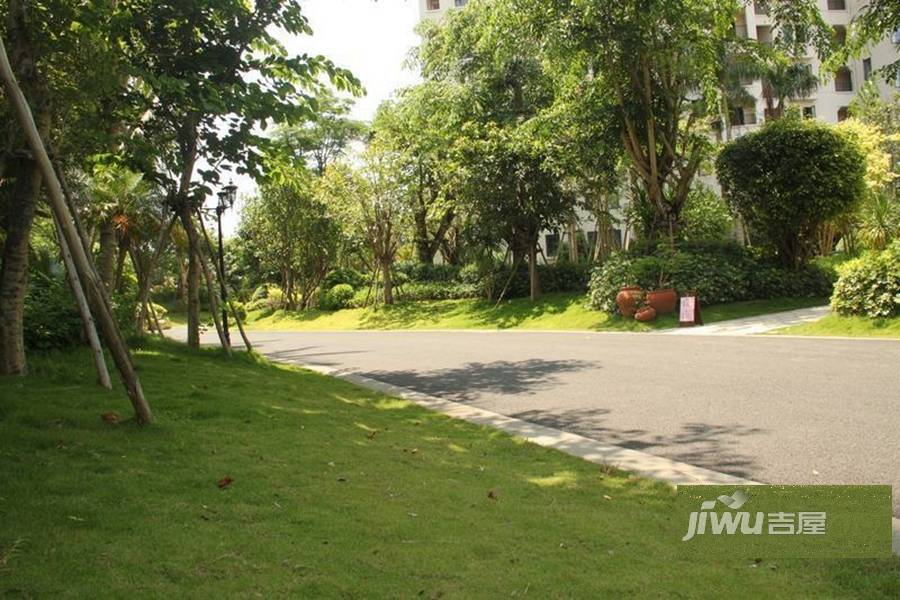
pixel 337 492
pixel 836 325
pixel 555 311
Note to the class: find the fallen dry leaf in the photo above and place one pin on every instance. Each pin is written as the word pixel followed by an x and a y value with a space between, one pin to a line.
pixel 371 434
pixel 225 482
pixel 493 495
pixel 110 417
pixel 607 497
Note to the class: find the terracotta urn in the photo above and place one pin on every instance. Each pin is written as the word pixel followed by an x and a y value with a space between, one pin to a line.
pixel 664 301
pixel 627 300
pixel 646 314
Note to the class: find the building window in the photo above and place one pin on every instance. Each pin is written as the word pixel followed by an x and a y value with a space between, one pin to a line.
pixel 434 4
pixel 867 69
pixel 840 35
pixel 837 5
pixel 461 3
pixel 809 112
pixel 843 113
pixel 895 37
pixel 551 244
pixel 761 7
pixel 843 80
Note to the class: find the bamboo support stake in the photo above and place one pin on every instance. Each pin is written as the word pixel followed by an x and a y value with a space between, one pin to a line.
pixel 90 327
pixel 95 292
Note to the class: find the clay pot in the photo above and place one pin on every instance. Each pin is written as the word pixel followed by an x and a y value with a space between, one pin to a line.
pixel 646 314
pixel 627 300
pixel 664 301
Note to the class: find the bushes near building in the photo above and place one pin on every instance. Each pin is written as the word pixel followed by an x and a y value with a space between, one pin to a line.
pixel 869 286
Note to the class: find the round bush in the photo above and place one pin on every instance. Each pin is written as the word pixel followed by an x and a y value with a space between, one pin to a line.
pixel 870 286
pixel 788 178
pixel 339 297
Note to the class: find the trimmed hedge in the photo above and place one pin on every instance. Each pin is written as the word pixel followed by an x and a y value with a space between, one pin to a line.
pixel 721 273
pixel 870 286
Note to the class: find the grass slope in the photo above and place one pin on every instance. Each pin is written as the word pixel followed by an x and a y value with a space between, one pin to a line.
pixel 337 492
pixel 836 325
pixel 555 311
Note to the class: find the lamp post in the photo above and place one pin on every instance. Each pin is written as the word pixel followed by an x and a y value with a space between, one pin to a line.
pixel 226 200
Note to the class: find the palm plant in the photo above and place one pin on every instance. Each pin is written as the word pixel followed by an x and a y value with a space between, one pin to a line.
pixel 785 80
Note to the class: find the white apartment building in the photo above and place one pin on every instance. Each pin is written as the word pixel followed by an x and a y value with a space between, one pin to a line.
pixel 829 102
pixel 433 9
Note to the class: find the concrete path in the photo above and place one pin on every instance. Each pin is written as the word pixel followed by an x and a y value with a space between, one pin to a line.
pixel 756 325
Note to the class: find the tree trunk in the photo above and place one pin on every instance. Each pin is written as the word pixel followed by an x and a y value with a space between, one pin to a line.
pixel 213 301
pixel 14 271
pixel 533 273
pixel 573 239
pixel 388 282
pixel 182 284
pixel 120 263
pixel 193 278
pixel 145 272
pixel 106 259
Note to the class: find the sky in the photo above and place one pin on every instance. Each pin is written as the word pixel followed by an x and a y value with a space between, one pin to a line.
pixel 370 38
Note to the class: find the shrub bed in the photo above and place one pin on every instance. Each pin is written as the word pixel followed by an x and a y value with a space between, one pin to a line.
pixel 721 273
pixel 869 286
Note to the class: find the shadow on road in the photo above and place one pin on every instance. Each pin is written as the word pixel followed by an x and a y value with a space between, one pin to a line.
pixel 466 383
pixel 701 444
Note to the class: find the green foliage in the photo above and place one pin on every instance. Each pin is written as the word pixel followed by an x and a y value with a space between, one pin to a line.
pixel 292 233
pixel 706 217
pixel 425 272
pixel 319 142
pixel 506 184
pixel 789 178
pixel 721 273
pixel 338 297
pixel 351 277
pixel 209 75
pixel 870 285
pixel 51 317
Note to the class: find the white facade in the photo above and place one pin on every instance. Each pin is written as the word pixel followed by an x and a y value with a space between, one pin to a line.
pixel 830 102
pixel 433 9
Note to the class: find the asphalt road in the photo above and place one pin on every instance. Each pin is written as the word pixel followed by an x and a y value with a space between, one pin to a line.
pixel 772 409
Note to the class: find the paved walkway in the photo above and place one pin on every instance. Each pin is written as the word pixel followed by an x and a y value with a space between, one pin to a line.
pixel 756 325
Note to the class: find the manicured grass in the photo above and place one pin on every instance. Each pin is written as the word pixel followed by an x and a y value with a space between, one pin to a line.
pixel 555 311
pixel 337 492
pixel 836 325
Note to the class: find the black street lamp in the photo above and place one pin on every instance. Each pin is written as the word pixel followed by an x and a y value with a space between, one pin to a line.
pixel 226 200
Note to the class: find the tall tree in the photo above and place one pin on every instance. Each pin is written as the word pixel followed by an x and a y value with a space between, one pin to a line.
pixel 508 183
pixel 321 141
pixel 372 201
pixel 209 75
pixel 420 126
pixel 50 41
pixel 657 61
